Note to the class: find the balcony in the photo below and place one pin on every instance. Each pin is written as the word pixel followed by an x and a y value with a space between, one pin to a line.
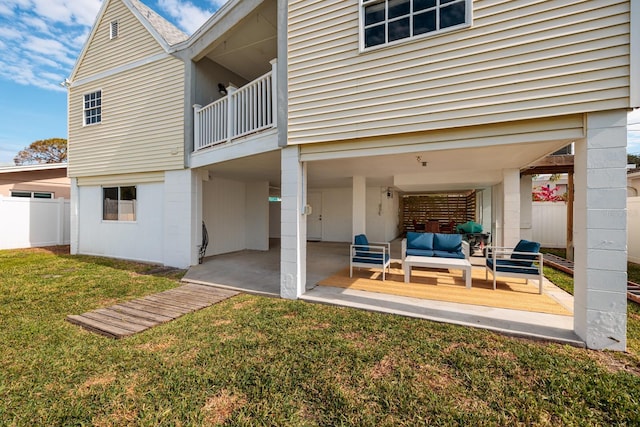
pixel 243 111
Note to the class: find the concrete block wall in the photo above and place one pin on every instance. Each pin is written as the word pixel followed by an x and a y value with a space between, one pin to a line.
pixel 600 232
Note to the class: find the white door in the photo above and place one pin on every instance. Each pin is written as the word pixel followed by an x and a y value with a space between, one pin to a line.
pixel 314 220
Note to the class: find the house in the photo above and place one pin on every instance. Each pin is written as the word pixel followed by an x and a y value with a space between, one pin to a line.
pixel 40 181
pixel 340 109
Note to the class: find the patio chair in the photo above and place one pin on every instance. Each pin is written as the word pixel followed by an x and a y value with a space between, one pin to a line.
pixel 365 254
pixel 524 262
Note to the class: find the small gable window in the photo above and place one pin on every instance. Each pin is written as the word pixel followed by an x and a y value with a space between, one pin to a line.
pixel 92 108
pixel 113 29
pixel 387 21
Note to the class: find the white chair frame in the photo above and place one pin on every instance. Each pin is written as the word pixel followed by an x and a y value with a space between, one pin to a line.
pixel 498 252
pixel 381 249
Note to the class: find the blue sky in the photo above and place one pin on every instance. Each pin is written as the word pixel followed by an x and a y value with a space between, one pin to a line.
pixel 39 43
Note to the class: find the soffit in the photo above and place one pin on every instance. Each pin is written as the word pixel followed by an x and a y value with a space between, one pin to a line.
pixel 247 48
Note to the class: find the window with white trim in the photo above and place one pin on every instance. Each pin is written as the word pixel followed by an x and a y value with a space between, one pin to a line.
pixel 114 26
pixel 119 203
pixel 387 21
pixel 92 108
pixel 32 194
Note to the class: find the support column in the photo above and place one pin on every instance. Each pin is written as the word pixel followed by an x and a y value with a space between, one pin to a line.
pixel 510 207
pixel 359 211
pixel 200 177
pixel 293 243
pixel 570 197
pixel 179 218
pixel 526 207
pixel 600 232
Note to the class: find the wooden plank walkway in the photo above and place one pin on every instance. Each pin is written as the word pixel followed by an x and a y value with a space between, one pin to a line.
pixel 135 316
pixel 633 289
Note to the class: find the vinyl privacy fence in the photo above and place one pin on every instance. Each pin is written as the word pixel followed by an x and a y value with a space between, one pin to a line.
pixel 549 226
pixel 29 223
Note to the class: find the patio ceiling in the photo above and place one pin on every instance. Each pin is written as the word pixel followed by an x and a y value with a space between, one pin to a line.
pixel 445 170
pixel 247 48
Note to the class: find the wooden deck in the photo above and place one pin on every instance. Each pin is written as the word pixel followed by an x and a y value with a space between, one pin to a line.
pixel 448 285
pixel 566 266
pixel 135 316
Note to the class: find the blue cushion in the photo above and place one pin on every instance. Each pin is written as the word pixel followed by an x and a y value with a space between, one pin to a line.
pixel 447 254
pixel 419 240
pixel 447 242
pixel 370 257
pixel 509 266
pixel 419 252
pixel 526 246
pixel 361 239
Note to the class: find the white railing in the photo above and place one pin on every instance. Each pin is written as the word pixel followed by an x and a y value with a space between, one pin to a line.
pixel 249 109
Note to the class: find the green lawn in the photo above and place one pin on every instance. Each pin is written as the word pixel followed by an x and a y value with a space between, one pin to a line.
pixel 265 361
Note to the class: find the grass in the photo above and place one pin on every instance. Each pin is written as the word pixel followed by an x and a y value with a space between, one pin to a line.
pixel 263 361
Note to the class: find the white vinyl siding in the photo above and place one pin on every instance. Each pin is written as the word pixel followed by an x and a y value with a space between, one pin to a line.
pixel 142 129
pixel 134 42
pixel 520 60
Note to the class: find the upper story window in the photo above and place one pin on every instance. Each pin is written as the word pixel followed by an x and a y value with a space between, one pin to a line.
pixel 386 21
pixel 113 29
pixel 92 110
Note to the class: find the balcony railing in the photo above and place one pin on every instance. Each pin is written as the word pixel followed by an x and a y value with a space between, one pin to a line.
pixel 245 110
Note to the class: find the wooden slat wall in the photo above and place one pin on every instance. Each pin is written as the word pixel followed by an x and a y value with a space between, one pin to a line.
pixel 443 208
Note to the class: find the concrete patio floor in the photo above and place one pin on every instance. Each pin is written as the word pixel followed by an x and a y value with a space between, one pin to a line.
pixel 258 272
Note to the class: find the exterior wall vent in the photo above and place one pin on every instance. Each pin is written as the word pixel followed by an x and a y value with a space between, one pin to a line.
pixel 113 30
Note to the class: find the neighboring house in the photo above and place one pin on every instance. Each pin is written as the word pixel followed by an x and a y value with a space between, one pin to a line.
pixel 340 107
pixel 34 205
pixel 40 181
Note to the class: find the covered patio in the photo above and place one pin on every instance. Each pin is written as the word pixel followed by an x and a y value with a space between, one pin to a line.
pixel 439 295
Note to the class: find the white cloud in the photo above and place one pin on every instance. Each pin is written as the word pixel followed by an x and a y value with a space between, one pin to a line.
pixel 82 12
pixel 36 23
pixel 5 10
pixel 51 47
pixel 9 33
pixel 188 16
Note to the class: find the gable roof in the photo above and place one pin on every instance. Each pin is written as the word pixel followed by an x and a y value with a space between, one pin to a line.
pixel 165 29
pixel 165 33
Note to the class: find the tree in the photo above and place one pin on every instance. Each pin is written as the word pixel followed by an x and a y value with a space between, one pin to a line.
pixel 546 194
pixel 52 150
pixel 633 159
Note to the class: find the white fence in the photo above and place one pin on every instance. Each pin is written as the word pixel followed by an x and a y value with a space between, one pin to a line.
pixel 549 226
pixel 29 223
